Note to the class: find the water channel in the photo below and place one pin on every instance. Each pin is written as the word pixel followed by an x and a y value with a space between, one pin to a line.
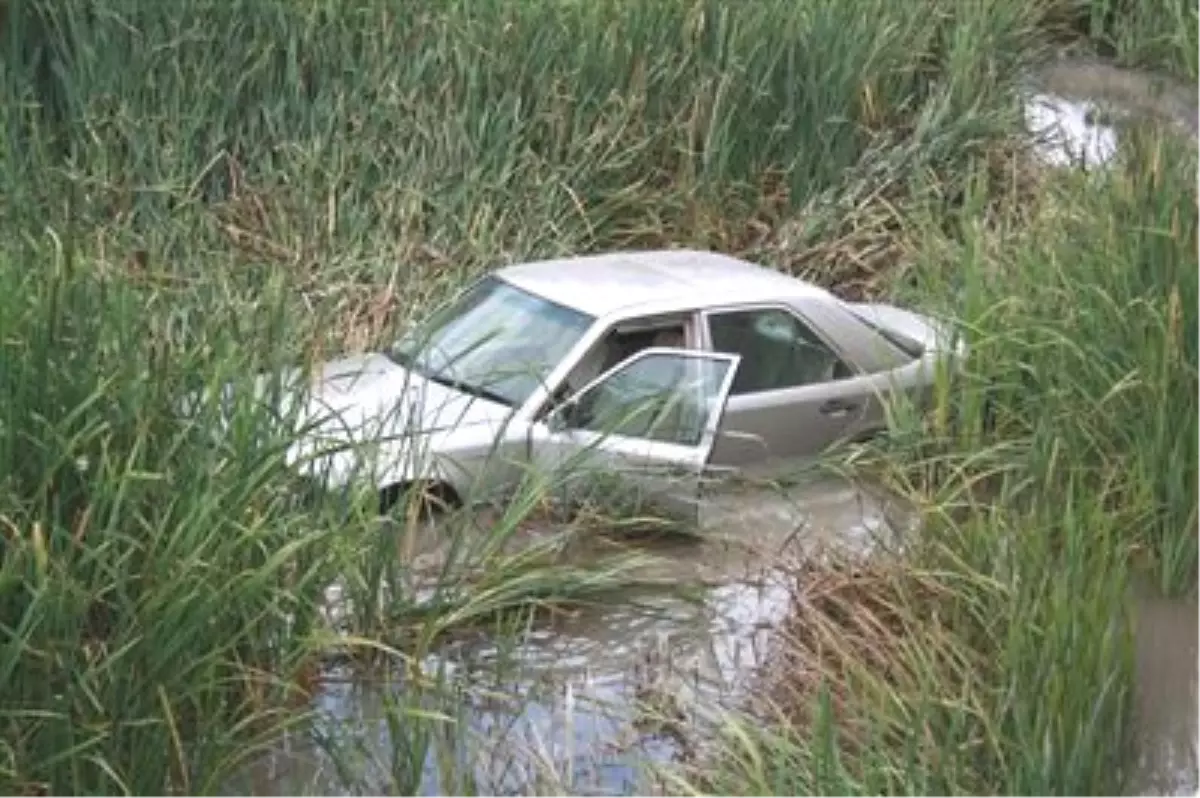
pixel 562 712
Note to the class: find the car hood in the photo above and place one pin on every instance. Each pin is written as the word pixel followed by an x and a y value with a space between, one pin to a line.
pixel 355 404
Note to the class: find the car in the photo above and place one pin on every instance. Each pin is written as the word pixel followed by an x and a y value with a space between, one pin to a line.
pixel 653 370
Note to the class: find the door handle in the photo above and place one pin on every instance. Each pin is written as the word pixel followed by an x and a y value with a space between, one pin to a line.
pixel 838 407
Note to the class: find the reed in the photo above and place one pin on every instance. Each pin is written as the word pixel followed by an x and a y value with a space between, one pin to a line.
pixel 192 196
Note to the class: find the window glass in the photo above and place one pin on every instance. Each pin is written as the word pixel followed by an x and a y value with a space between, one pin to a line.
pixel 495 340
pixel 659 396
pixel 905 344
pixel 777 349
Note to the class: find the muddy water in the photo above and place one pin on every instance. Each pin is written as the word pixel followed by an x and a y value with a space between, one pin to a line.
pixel 590 700
pixel 1076 108
pixel 1132 91
pixel 1166 734
pixel 591 697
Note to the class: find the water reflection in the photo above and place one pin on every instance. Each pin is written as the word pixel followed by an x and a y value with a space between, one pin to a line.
pixel 591 696
pixel 1076 113
pixel 1165 727
pixel 1067 133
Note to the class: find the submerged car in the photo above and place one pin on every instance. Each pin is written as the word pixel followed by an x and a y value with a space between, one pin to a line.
pixel 654 369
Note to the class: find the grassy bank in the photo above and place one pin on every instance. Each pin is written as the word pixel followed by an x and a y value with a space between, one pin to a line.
pixel 191 197
pixel 1162 35
pixel 996 658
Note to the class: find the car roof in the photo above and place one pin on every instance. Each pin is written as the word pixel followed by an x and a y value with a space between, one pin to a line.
pixel 621 281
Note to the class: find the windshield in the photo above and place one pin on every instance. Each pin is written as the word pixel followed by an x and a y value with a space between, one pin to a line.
pixel 495 341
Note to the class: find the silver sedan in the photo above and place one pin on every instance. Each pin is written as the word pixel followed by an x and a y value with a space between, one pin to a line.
pixel 649 370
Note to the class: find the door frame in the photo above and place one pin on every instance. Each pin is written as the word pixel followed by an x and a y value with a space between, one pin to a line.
pixel 687 461
pixel 704 334
pixel 747 401
pixel 541 406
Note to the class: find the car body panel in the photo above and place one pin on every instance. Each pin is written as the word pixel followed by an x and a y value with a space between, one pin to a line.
pixel 922 331
pixel 635 282
pixel 777 428
pixel 368 417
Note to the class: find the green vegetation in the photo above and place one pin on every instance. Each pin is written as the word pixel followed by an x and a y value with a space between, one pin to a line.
pixel 1160 35
pixel 193 196
pixel 995 658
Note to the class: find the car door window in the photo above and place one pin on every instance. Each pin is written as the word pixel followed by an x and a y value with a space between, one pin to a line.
pixel 778 350
pixel 658 395
pixel 619 344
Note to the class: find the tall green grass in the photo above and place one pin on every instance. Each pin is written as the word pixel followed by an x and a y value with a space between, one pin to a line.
pixel 163 589
pixel 362 143
pixel 1003 660
pixel 1084 326
pixel 158 589
pixel 1162 35
pixel 193 194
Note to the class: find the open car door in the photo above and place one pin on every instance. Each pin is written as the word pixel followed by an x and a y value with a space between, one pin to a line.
pixel 638 438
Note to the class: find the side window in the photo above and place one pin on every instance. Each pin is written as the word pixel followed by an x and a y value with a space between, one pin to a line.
pixel 619 344
pixel 777 349
pixel 660 396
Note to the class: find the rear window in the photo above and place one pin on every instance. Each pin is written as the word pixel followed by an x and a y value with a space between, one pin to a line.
pixel 908 346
